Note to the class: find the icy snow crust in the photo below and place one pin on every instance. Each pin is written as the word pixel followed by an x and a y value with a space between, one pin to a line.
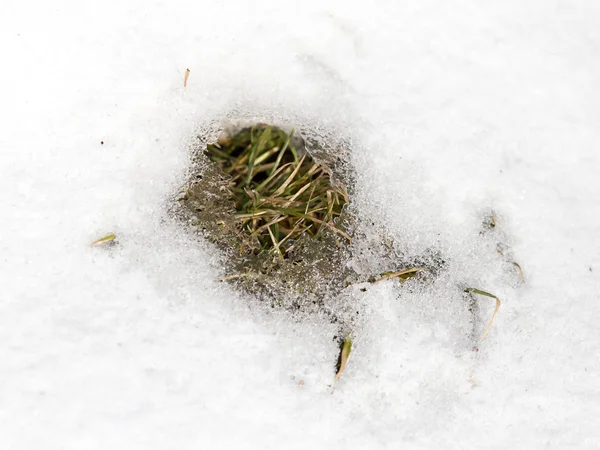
pixel 452 110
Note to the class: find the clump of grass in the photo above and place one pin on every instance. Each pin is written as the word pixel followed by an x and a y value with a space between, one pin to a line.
pixel 279 192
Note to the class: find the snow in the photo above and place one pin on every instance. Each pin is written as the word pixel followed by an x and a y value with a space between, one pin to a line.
pixel 453 108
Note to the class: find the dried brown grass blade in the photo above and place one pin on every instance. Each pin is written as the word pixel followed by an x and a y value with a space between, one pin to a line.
pixel 498 303
pixel 399 274
pixel 290 178
pixel 521 274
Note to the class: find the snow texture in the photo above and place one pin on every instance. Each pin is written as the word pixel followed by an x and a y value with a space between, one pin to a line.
pixel 453 109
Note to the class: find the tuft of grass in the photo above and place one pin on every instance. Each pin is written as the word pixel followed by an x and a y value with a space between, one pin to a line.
pixel 279 193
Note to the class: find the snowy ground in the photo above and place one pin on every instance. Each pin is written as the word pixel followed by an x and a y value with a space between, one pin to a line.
pixel 453 107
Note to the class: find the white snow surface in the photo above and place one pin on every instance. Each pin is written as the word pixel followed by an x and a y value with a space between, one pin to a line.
pixel 453 109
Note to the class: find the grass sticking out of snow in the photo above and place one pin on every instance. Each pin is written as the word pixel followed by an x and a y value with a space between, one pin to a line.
pixel 279 194
pixel 109 239
pixel 402 275
pixel 498 303
pixel 345 349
